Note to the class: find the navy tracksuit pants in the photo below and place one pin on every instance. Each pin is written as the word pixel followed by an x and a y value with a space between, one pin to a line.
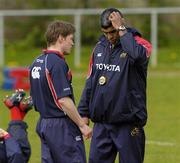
pixel 15 149
pixel 61 141
pixel 108 140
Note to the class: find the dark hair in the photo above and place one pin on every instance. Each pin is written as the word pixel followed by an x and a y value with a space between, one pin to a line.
pixel 57 28
pixel 105 22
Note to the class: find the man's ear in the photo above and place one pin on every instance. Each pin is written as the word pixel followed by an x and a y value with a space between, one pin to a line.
pixel 61 38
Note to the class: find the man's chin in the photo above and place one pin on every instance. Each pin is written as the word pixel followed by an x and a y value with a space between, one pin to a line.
pixel 112 41
pixel 66 53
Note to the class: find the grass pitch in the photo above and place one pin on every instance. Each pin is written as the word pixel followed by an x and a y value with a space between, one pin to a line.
pixel 162 129
pixel 163 125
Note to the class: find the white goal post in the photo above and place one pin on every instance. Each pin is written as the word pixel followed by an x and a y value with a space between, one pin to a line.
pixel 77 13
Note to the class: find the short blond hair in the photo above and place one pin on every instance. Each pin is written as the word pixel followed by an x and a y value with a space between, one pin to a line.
pixel 57 28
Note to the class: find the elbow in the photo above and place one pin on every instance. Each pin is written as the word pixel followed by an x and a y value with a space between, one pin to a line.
pixel 62 101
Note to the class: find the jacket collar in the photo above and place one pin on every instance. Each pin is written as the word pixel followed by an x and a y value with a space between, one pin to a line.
pixel 46 51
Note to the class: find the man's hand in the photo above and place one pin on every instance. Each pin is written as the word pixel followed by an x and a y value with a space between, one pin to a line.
pixel 86 131
pixel 70 109
pixel 86 120
pixel 3 133
pixel 116 20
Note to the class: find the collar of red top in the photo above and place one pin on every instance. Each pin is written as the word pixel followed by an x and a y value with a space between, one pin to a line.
pixel 46 51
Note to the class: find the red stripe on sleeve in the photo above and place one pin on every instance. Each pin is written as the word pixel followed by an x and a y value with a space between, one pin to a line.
pixel 90 65
pixel 52 89
pixel 144 43
pixel 69 75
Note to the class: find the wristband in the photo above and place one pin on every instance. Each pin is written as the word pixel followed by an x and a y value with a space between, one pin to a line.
pixel 121 28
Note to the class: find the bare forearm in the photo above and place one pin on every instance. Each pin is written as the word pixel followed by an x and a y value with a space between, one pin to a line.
pixel 70 109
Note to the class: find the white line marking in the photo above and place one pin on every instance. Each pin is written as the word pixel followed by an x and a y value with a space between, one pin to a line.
pixel 151 142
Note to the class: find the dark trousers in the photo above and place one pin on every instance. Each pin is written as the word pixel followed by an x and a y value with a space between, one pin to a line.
pixel 61 141
pixel 108 140
pixel 15 149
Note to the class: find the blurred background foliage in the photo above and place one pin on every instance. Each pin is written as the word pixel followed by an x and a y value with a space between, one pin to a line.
pixel 24 39
pixel 26 33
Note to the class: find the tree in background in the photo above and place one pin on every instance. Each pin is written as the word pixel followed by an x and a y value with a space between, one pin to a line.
pixel 27 32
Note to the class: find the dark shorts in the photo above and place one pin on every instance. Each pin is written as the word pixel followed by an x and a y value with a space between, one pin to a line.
pixel 61 141
pixel 108 140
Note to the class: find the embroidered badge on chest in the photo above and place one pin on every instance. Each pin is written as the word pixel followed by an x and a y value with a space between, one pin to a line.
pixel 99 54
pixel 123 55
pixel 102 80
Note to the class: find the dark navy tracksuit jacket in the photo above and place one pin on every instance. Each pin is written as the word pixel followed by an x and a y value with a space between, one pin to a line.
pixel 16 148
pixel 47 89
pixel 122 98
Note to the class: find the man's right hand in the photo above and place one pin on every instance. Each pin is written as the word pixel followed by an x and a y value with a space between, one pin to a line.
pixel 86 131
pixel 86 120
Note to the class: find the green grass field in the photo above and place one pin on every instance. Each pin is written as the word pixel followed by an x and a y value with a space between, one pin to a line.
pixel 163 126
